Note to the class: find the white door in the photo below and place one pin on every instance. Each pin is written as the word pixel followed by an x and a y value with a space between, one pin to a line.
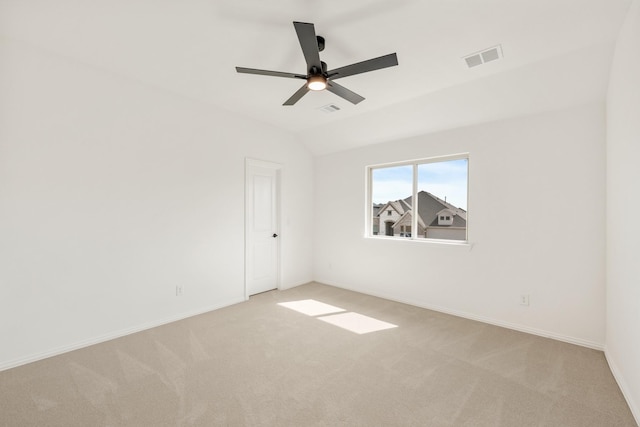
pixel 261 227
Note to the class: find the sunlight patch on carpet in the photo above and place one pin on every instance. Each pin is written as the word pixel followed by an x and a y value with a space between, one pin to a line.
pixel 358 323
pixel 311 307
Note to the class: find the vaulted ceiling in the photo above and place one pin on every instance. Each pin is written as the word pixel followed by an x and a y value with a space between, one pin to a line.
pixel 556 54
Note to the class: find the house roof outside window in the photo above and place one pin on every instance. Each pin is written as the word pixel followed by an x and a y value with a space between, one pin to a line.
pixel 429 206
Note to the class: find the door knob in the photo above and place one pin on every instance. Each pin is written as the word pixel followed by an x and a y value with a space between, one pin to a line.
pixel 275 235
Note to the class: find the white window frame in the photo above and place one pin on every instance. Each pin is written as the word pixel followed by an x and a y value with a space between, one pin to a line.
pixel 414 218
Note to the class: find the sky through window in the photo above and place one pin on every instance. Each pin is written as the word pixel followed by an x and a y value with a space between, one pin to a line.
pixel 442 179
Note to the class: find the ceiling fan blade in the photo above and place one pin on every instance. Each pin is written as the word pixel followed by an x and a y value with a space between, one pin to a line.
pixel 343 92
pixel 309 44
pixel 269 73
pixel 296 96
pixel 364 66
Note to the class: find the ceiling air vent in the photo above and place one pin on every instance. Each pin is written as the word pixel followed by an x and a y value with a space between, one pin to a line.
pixel 329 108
pixel 484 56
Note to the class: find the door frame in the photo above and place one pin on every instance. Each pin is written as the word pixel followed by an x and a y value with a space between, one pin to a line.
pixel 277 167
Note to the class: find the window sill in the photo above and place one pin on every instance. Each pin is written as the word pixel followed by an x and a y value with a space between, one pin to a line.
pixel 429 242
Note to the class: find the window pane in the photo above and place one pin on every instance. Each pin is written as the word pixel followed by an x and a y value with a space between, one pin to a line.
pixel 390 189
pixel 442 200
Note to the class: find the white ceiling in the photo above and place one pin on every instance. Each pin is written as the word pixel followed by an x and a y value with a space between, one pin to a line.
pixel 556 54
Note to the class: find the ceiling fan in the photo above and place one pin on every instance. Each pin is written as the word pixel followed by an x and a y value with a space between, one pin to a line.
pixel 317 76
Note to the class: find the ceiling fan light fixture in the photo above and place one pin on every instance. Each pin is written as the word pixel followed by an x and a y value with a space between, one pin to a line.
pixel 318 82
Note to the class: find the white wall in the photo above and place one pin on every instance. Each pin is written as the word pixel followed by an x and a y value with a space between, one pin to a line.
pixel 112 193
pixel 526 167
pixel 623 205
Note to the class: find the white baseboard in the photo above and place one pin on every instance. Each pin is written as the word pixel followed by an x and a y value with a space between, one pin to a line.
pixel 112 335
pixel 624 388
pixel 470 316
pixel 295 285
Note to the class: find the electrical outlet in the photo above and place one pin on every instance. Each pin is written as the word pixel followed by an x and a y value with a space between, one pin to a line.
pixel 524 299
pixel 179 290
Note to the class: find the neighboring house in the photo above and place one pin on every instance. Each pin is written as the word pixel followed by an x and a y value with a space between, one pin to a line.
pixel 376 219
pixel 437 219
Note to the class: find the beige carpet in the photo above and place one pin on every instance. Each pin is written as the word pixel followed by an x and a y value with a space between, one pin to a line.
pixel 261 364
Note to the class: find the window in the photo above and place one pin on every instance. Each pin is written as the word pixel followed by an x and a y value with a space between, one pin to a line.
pixel 439 188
